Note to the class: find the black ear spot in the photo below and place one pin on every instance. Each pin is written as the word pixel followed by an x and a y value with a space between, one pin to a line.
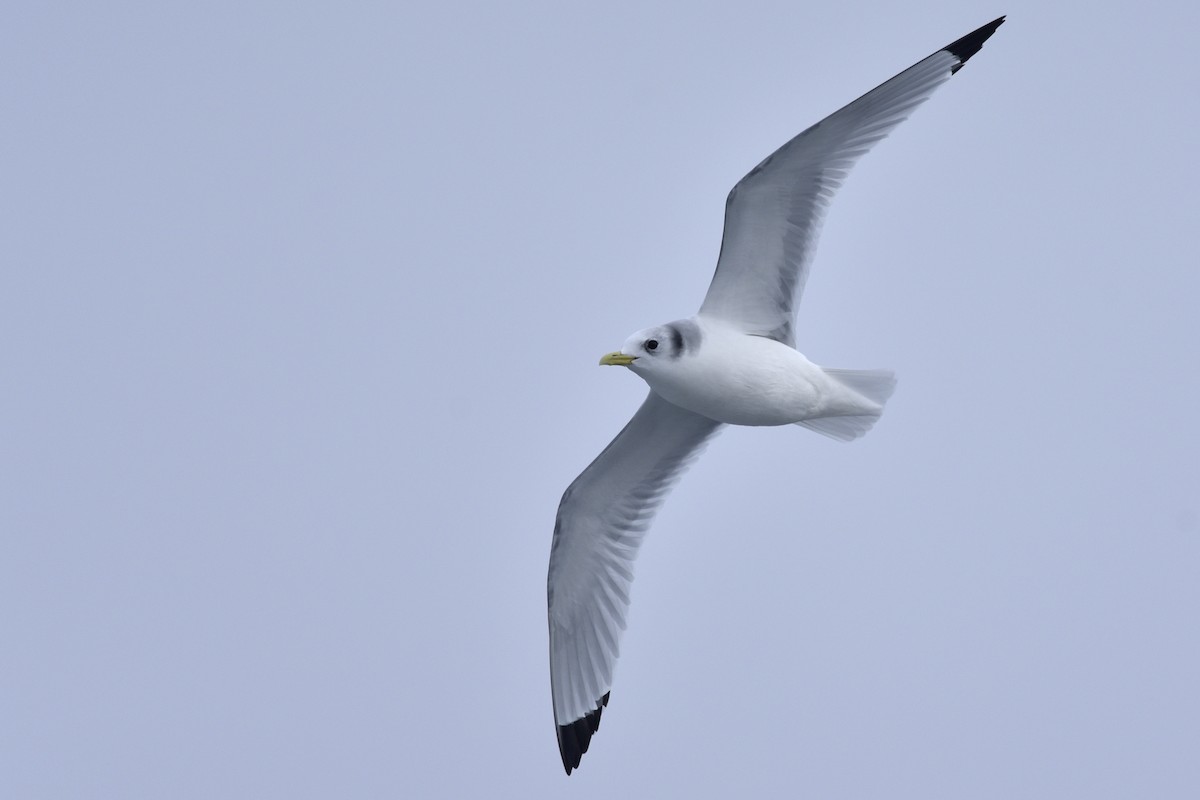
pixel 652 344
pixel 676 340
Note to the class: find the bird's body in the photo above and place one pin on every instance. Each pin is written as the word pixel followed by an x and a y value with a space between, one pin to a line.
pixel 743 379
pixel 735 363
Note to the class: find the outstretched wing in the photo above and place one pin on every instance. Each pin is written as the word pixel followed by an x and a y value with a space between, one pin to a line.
pixel 602 519
pixel 773 215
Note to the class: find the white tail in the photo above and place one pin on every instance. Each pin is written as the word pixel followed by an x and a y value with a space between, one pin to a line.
pixel 874 385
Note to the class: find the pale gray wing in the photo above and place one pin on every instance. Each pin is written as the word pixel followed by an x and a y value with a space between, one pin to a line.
pixel 773 215
pixel 601 521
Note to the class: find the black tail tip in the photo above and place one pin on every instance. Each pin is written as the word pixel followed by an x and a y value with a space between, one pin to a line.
pixel 970 44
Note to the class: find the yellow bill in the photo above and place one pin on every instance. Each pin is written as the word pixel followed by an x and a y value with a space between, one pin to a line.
pixel 616 360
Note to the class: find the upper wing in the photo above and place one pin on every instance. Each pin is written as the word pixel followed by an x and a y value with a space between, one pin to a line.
pixel 601 521
pixel 773 215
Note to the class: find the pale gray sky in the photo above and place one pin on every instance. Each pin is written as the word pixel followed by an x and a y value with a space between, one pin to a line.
pixel 301 310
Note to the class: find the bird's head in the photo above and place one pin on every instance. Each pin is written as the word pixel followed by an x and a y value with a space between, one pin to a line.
pixel 656 348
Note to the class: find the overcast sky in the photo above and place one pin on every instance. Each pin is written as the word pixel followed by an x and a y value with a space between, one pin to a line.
pixel 299 319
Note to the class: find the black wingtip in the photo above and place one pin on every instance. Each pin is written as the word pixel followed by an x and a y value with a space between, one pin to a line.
pixel 574 738
pixel 969 45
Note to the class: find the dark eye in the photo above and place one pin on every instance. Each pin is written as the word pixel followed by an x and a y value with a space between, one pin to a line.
pixel 652 344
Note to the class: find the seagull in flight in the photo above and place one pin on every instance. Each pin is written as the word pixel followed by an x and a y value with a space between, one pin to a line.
pixel 734 363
